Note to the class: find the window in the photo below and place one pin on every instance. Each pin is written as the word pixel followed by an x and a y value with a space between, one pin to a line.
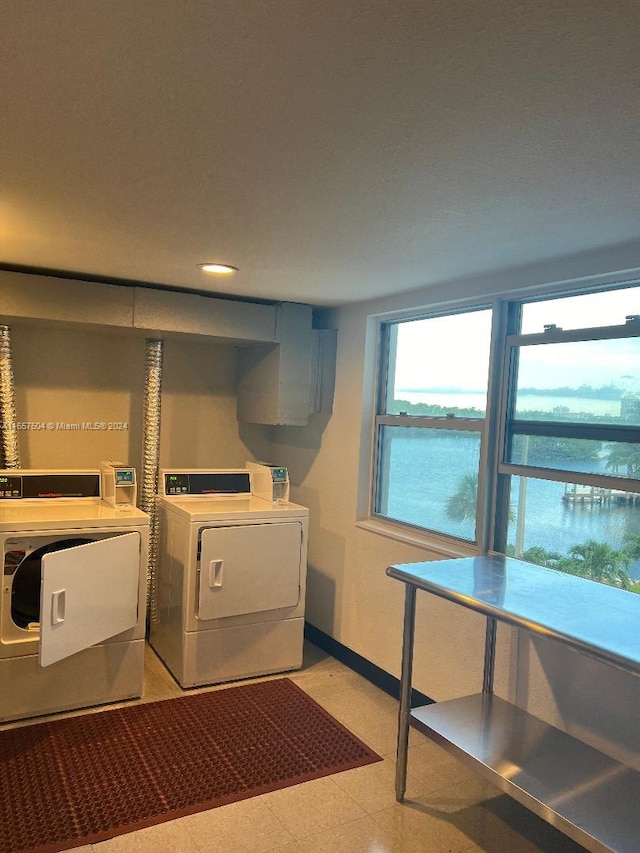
pixel 557 468
pixel 431 420
pixel 571 445
pixel 586 310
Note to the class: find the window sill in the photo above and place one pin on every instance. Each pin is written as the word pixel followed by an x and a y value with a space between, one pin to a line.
pixel 428 541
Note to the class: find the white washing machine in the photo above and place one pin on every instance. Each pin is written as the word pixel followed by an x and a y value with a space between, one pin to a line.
pixel 72 614
pixel 232 573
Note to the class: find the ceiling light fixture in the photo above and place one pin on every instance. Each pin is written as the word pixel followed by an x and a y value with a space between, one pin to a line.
pixel 218 269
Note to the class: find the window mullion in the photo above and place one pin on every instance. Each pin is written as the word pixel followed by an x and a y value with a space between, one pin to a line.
pixel 604 481
pixel 506 403
pixel 430 422
pixel 488 481
pixel 572 429
pixel 552 335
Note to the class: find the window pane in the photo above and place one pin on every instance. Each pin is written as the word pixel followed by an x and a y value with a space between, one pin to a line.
pixel 586 311
pixel 429 478
pixel 440 365
pixel 586 456
pixel 582 381
pixel 583 530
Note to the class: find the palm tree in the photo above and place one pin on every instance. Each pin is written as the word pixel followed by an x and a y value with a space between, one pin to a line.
pixel 463 504
pixel 632 546
pixel 541 557
pixel 597 561
pixel 624 456
pixel 631 551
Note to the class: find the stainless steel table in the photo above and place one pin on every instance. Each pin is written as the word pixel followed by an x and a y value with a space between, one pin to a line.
pixel 584 793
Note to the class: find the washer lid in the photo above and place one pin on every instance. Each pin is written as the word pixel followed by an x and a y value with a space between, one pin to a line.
pixel 236 509
pixel 62 513
pixel 89 593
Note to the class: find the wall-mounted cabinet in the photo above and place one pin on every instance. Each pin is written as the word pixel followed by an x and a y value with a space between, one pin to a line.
pixel 274 380
pixel 323 370
pixel 283 384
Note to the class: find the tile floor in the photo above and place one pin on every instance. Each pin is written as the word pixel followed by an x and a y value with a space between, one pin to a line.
pixel 447 808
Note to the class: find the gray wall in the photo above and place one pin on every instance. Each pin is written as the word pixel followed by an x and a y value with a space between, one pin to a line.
pixel 69 375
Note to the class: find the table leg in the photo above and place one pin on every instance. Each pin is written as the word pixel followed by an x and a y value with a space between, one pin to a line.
pixel 405 690
pixel 489 655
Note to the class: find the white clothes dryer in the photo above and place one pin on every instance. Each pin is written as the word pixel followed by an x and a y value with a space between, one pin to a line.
pixel 72 611
pixel 231 583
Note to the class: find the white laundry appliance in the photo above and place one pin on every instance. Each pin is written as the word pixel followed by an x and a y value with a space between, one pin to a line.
pixel 231 580
pixel 72 612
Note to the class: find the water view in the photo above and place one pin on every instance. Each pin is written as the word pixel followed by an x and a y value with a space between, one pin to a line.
pixel 589 383
pixel 428 467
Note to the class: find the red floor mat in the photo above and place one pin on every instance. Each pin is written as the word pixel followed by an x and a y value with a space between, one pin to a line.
pixel 84 779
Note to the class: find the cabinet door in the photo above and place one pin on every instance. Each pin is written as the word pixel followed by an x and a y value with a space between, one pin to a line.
pixel 89 593
pixel 249 569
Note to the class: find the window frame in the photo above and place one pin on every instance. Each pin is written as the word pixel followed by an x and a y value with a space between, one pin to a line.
pixel 453 423
pixel 509 426
pixel 494 475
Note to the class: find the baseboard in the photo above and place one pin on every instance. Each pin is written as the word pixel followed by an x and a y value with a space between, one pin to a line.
pixel 382 679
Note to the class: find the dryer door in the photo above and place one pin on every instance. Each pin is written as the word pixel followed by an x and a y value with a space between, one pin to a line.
pixel 89 593
pixel 249 568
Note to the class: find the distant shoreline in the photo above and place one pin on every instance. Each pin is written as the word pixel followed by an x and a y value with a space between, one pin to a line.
pixel 583 393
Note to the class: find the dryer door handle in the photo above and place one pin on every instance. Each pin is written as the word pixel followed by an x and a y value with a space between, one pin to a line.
pixel 58 602
pixel 215 573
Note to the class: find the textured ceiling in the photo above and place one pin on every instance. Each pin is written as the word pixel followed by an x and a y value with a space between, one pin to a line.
pixel 333 151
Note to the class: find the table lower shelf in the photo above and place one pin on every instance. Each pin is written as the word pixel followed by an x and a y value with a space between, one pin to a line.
pixel 587 795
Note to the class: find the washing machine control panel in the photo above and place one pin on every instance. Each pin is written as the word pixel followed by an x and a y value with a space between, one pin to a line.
pixel 10 487
pixel 125 476
pixel 176 484
pixel 48 485
pixel 269 482
pixel 206 483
